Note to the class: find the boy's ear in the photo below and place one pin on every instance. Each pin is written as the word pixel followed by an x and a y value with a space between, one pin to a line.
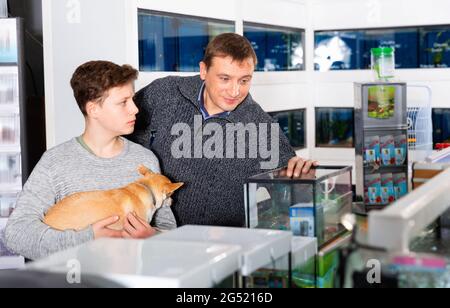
pixel 172 187
pixel 144 170
pixel 91 108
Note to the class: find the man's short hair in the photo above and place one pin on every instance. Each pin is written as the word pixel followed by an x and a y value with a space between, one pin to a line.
pixel 92 80
pixel 229 45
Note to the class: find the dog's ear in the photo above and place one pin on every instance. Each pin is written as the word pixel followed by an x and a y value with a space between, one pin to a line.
pixel 172 187
pixel 144 170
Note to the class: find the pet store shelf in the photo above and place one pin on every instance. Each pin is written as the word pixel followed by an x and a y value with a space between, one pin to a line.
pixel 10 188
pixel 9 149
pixel 9 109
pixel 385 169
pixel 11 263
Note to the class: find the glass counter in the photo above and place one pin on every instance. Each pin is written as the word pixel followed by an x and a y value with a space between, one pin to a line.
pixel 427 265
pixel 262 251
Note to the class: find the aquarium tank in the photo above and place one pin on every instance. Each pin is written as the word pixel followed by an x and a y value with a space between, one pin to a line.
pixel 335 127
pixel 441 125
pixel 175 43
pixel 277 48
pixel 415 47
pixel 293 124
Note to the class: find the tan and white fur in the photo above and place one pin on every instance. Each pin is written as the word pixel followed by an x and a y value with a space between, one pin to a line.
pixel 143 197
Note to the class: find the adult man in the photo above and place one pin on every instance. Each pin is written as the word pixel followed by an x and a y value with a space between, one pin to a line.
pixel 206 108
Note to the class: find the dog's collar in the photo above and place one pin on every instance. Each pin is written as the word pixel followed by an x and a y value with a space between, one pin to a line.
pixel 152 196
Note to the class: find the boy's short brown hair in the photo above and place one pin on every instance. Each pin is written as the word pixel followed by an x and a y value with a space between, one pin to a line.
pixel 229 44
pixel 92 80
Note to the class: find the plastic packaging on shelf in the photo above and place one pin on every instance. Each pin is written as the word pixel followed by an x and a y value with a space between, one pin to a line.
pixel 7 204
pixel 10 170
pixel 8 41
pixel 9 129
pixel 383 63
pixel 8 88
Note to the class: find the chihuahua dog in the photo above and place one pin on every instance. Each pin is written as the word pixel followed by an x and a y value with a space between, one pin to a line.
pixel 143 197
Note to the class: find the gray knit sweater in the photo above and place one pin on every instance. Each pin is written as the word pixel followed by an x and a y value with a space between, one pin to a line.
pixel 214 187
pixel 62 171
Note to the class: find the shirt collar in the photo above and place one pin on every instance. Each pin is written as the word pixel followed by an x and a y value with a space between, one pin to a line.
pixel 201 102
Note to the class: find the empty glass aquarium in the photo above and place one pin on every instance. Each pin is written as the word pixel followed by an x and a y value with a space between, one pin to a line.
pixel 309 206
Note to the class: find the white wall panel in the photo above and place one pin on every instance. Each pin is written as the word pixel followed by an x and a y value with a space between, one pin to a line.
pixel 76 31
pixel 79 30
pixel 280 97
pixel 201 8
pixel 274 12
pixel 351 14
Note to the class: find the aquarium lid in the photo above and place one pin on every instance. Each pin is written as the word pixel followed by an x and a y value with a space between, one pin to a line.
pixel 382 51
pixel 322 173
pixel 259 247
pixel 149 263
pixel 440 156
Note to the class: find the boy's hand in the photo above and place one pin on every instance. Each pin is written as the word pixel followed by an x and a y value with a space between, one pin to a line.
pixel 136 228
pixel 101 229
pixel 297 166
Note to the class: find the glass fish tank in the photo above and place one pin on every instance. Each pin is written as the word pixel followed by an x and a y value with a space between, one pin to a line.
pixel 293 124
pixel 309 206
pixel 441 126
pixel 334 127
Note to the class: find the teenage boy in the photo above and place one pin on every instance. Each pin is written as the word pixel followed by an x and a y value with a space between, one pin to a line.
pixel 100 159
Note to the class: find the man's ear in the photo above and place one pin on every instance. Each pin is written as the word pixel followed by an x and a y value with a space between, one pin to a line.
pixel 203 70
pixel 144 170
pixel 172 187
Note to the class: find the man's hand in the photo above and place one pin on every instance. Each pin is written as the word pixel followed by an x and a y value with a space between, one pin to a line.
pixel 101 229
pixel 136 228
pixel 297 166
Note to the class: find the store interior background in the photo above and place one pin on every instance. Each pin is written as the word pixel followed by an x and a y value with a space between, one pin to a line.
pixel 62 34
pixel 75 31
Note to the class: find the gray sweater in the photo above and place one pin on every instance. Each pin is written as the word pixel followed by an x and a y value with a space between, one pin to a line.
pixel 62 171
pixel 214 187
